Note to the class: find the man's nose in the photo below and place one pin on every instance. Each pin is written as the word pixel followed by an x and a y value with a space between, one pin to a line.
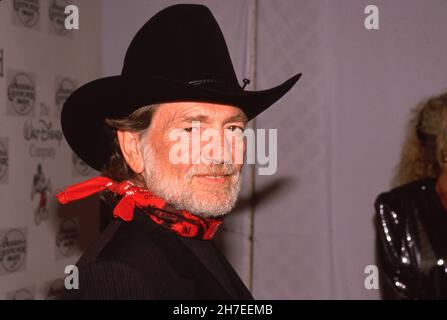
pixel 220 150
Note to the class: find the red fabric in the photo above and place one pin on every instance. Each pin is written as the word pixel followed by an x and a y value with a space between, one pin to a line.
pixel 178 221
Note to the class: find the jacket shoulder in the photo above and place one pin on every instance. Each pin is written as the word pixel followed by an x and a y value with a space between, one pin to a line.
pixel 405 195
pixel 126 263
pixel 105 280
pixel 124 242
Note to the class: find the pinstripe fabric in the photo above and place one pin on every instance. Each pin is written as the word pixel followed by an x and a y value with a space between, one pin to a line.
pixel 142 260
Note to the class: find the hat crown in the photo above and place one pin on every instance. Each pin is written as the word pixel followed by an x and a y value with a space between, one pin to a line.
pixel 183 43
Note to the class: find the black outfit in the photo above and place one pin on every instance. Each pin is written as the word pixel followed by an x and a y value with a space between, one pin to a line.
pixel 143 260
pixel 411 226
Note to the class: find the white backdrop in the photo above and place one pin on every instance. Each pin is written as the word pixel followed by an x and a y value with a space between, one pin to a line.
pixel 375 78
pixel 40 65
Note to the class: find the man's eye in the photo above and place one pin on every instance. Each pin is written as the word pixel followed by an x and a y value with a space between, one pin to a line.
pixel 235 128
pixel 191 129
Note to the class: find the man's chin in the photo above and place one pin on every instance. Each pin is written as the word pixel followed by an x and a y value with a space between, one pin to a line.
pixel 212 205
pixel 213 199
pixel 210 196
pixel 211 212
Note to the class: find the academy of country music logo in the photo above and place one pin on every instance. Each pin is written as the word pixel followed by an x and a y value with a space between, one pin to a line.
pixel 67 238
pixel 80 168
pixel 21 93
pixel 13 248
pixel 42 187
pixel 27 12
pixel 43 137
pixel 57 15
pixel 4 160
pixel 64 88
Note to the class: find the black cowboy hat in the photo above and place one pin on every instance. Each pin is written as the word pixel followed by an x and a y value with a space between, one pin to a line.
pixel 180 54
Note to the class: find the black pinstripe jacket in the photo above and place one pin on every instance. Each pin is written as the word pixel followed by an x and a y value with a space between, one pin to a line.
pixel 142 260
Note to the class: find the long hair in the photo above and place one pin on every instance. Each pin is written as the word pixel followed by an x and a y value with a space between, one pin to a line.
pixel 117 168
pixel 425 146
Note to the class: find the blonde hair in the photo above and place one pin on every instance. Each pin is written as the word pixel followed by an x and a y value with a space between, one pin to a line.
pixel 425 147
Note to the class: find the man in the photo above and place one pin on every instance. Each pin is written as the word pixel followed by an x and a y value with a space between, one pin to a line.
pixel 177 81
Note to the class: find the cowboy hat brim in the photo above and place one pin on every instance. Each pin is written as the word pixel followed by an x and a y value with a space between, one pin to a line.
pixel 84 112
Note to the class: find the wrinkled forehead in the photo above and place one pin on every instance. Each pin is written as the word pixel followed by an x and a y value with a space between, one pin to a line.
pixel 175 112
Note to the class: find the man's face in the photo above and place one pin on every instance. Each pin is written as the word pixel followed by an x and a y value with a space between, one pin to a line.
pixel 211 140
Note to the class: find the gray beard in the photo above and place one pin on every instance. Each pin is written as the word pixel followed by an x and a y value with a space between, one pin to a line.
pixel 180 196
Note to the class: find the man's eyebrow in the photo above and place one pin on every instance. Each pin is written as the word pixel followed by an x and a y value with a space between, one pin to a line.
pixel 240 117
pixel 199 117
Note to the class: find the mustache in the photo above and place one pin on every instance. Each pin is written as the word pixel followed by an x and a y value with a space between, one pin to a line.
pixel 216 169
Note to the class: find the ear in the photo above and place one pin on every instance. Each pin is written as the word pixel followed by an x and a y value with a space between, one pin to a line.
pixel 130 147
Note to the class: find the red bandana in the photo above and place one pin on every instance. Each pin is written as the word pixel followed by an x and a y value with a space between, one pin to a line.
pixel 181 222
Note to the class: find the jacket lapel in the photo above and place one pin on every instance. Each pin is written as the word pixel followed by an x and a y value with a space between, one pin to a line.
pixel 184 262
pixel 219 272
